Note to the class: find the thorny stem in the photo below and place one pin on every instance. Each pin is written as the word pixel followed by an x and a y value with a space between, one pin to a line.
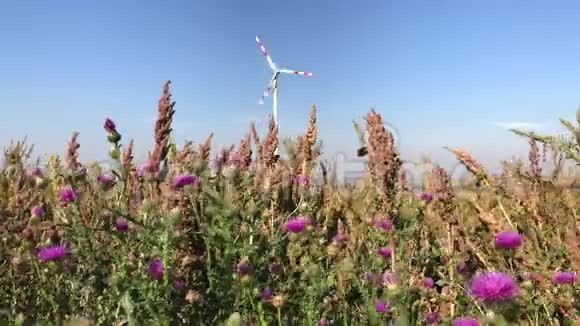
pixel 393 252
pixel 505 214
pixel 501 207
pixel 473 299
pixel 451 267
pixel 477 253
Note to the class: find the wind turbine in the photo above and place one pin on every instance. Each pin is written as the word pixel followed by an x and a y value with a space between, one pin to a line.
pixel 272 88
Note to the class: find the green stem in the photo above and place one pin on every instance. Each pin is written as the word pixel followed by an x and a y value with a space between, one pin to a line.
pixel 279 317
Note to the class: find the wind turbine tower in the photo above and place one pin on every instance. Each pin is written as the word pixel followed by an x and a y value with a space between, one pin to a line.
pixel 272 87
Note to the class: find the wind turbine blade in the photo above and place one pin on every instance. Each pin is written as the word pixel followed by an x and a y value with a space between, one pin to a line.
pixel 265 52
pixel 292 72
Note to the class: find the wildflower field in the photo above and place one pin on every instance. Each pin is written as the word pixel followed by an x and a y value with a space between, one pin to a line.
pixel 248 238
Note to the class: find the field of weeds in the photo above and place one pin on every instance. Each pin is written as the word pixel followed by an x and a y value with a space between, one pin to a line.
pixel 251 239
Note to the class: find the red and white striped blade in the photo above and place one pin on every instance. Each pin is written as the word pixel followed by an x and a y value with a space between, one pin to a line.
pixel 292 72
pixel 265 52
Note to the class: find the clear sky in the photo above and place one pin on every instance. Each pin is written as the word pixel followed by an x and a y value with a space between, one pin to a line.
pixel 442 72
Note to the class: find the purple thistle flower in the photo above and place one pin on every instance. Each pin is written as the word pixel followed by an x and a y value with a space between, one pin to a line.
pixel 183 180
pixel 384 252
pixel 339 238
pixel 266 294
pixel 243 268
pixel 146 168
pixel 389 280
pixel 155 269
pixel 432 318
pixel 67 195
pixel 275 268
pixel 384 224
pixel 235 160
pixel 52 253
pixel 110 126
pixel 302 180
pixel 508 240
pixel 35 173
pixel 381 307
pixel 177 284
pixel 564 278
pixel 37 211
pixel 494 287
pixel 461 268
pixel 297 224
pixel 371 278
pixel 122 225
pixel 105 179
pixel 466 269
pixel 465 322
pixel 427 197
pixel 428 283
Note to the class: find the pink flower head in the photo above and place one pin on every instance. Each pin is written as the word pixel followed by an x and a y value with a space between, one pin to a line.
pixel 37 211
pixel 432 318
pixel 67 195
pixel 339 238
pixel 302 180
pixel 508 240
pixel 389 279
pixel 384 252
pixel 297 224
pixel 177 283
pixel 52 253
pixel 106 181
pixel 428 283
pixel 182 180
pixel 465 322
pixel 155 269
pixel 494 287
pixel 427 197
pixel 384 224
pixel 235 160
pixel 564 278
pixel 243 268
pixel 148 169
pixel 266 294
pixel 381 307
pixel 122 225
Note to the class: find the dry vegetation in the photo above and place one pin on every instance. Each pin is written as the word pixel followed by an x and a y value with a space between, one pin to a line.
pixel 245 238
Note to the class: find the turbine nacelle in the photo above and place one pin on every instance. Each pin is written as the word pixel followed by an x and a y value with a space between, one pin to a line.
pixel 275 71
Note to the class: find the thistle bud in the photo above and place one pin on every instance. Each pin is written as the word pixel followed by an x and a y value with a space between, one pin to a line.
pixel 278 301
pixel 114 152
pixel 27 234
pixel 34 220
pixel 192 296
pixel 114 138
pixel 527 284
pixel 41 182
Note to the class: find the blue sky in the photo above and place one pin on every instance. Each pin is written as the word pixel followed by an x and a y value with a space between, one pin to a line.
pixel 442 72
